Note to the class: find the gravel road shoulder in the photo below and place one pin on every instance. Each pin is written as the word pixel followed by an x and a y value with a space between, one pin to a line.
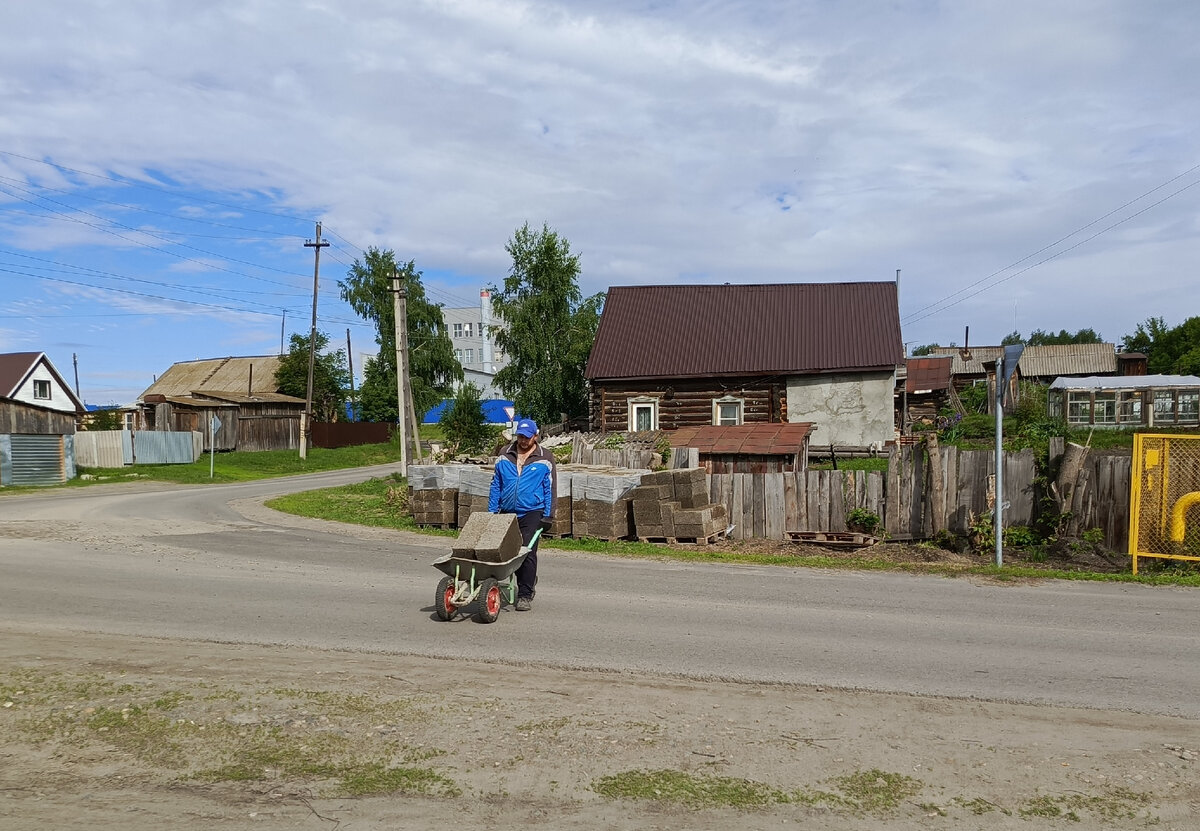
pixel 116 732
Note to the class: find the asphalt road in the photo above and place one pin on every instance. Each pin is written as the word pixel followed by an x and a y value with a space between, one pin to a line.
pixel 209 563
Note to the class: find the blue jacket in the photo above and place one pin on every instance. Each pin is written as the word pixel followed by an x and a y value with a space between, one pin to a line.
pixel 531 488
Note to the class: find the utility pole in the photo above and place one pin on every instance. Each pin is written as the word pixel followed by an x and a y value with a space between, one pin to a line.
pixel 75 360
pixel 400 300
pixel 350 364
pixel 306 417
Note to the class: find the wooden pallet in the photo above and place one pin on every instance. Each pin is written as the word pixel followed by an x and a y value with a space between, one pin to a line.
pixel 709 540
pixel 844 539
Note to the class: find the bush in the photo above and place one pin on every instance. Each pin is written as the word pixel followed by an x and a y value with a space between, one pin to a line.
pixel 463 423
pixel 860 519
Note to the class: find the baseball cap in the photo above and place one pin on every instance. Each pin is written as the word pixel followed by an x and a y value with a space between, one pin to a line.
pixel 527 427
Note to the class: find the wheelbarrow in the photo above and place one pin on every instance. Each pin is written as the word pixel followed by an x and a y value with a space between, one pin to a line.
pixel 467 581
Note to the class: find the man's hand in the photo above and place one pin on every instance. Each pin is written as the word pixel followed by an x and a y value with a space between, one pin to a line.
pixel 546 523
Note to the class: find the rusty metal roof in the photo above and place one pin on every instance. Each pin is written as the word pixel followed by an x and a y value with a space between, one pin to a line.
pixel 779 328
pixel 928 374
pixel 251 376
pixel 744 439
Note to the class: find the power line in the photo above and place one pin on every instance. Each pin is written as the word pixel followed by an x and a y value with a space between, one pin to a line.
pixel 938 307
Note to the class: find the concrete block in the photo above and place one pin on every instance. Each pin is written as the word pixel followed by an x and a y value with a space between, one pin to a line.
pixel 490 538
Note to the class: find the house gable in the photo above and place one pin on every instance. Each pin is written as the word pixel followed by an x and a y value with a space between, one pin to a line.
pixel 30 378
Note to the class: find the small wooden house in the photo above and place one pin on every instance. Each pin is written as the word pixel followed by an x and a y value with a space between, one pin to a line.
pixel 240 393
pixel 1130 401
pixel 38 411
pixel 825 354
pixel 926 390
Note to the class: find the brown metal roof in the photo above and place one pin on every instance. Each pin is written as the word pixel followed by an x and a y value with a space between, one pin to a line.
pixel 779 328
pixel 16 367
pixel 928 374
pixel 744 439
pixel 252 376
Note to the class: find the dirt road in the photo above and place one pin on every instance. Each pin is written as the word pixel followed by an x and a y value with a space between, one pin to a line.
pixel 107 732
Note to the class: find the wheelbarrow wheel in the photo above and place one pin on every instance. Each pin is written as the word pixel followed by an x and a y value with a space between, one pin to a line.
pixel 443 601
pixel 489 600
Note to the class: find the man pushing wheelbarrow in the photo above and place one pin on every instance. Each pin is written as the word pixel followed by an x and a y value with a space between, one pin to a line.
pixel 483 564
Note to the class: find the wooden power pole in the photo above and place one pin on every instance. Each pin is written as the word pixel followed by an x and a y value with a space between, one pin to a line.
pixel 399 300
pixel 306 416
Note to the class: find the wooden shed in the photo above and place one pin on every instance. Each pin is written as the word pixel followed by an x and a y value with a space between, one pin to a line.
pixel 239 392
pixel 748 448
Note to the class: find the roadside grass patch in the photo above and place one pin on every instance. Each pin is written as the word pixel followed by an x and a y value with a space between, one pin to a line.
pixel 1113 804
pixel 689 790
pixel 877 791
pixel 863 792
pixel 368 780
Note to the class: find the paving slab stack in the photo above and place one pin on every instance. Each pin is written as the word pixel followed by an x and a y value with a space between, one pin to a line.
pixel 675 505
pixel 600 502
pixel 433 495
pixel 592 500
pixel 474 485
pixel 489 538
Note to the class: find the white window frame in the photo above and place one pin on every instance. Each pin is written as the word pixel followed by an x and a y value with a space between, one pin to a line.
pixel 639 403
pixel 726 400
pixel 458 330
pixel 470 357
pixel 42 390
pixel 467 330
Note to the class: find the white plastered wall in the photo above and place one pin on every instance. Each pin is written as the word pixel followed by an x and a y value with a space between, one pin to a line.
pixel 848 409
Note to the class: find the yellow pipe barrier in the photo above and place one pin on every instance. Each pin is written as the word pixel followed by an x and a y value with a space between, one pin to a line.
pixel 1178 525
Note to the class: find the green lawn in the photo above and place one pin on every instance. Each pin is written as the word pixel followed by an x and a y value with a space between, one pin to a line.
pixel 241 466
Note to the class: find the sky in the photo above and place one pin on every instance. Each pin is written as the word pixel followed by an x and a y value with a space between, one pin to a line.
pixel 1019 164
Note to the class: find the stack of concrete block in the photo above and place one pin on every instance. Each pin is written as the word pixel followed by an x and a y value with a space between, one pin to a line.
pixel 489 538
pixel 474 485
pixel 560 524
pixel 600 502
pixel 434 506
pixel 674 505
pixel 654 506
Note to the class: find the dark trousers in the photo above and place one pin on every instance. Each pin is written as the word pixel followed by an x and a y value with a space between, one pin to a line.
pixel 527 573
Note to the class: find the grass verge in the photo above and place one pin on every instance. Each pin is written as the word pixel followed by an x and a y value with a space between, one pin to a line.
pixel 379 503
pixel 245 466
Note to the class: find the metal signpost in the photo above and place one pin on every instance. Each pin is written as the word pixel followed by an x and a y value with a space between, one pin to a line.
pixel 214 425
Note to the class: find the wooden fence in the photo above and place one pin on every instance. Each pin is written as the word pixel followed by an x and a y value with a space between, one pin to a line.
pixel 914 503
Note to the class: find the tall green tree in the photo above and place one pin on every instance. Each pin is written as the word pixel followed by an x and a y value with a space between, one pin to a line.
pixel 1168 350
pixel 331 377
pixel 548 326
pixel 434 369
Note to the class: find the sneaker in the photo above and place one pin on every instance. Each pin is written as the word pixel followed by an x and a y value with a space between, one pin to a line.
pixel 524 604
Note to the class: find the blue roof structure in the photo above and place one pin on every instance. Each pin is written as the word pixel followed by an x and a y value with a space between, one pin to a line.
pixel 493 411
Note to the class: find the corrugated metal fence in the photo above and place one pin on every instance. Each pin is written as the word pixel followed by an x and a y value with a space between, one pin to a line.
pixel 117 448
